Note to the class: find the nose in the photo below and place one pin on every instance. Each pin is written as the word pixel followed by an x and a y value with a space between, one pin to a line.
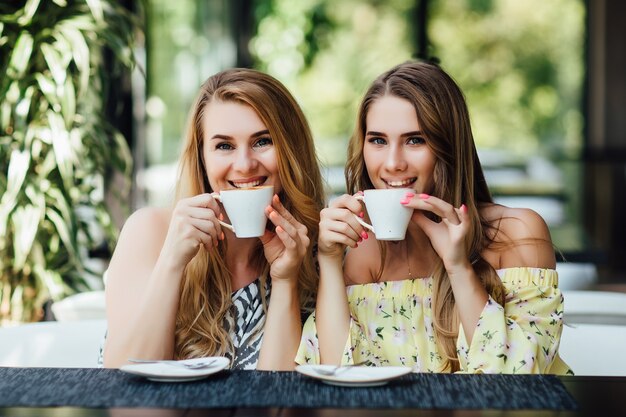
pixel 244 161
pixel 396 160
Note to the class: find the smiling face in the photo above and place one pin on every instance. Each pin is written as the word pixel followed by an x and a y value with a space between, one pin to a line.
pixel 237 148
pixel 395 151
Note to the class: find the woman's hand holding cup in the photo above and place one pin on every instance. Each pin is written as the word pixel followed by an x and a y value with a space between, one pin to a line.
pixel 194 223
pixel 339 226
pixel 446 236
pixel 286 247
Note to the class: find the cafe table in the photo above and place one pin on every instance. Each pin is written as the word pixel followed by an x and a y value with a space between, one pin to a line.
pixel 76 392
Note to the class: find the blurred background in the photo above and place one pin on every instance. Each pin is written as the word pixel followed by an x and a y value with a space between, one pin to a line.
pixel 94 99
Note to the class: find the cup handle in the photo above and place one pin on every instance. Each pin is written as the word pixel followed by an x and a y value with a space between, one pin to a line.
pixel 361 221
pixel 224 224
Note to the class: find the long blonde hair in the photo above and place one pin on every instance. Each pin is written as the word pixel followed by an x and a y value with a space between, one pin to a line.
pixel 458 177
pixel 205 296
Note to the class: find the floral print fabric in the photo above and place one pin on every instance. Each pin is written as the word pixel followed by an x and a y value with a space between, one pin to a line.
pixel 391 324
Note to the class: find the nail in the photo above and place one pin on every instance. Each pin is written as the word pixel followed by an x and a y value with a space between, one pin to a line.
pixel 409 195
pixel 424 196
pixel 360 192
pixel 222 236
pixel 360 240
pixel 364 235
pixel 405 201
pixel 361 214
pixel 463 208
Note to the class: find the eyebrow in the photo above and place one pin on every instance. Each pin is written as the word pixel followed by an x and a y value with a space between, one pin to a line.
pixel 254 135
pixel 413 133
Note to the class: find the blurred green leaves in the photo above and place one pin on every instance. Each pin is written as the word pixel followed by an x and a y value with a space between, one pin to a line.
pixel 520 64
pixel 327 53
pixel 57 151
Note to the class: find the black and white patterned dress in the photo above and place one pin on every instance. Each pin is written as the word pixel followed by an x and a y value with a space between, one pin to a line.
pixel 245 324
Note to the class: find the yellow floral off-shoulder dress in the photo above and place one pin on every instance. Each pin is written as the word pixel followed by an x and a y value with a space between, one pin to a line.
pixel 391 324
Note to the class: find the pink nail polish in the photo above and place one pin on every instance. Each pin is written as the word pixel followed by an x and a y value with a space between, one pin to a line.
pixel 424 196
pixel 361 214
pixel 409 195
pixel 405 201
pixel 364 235
pixel 463 208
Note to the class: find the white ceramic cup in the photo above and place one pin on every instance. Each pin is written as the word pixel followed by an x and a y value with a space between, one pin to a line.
pixel 389 217
pixel 245 208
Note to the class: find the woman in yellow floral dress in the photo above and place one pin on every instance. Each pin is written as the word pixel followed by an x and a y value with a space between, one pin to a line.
pixel 472 287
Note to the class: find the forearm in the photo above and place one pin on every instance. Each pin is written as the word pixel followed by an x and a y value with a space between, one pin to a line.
pixel 332 313
pixel 283 328
pixel 144 327
pixel 470 297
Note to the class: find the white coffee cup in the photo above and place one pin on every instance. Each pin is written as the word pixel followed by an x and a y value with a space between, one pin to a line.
pixel 245 208
pixel 389 217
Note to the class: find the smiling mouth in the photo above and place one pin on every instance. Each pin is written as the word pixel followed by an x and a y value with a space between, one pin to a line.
pixel 248 183
pixel 401 184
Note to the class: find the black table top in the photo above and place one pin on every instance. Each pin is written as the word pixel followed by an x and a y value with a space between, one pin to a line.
pixel 99 392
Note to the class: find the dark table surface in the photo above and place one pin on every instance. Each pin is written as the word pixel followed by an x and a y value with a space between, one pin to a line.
pixel 595 396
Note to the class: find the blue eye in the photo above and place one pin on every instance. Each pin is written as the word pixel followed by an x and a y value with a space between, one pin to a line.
pixel 377 141
pixel 416 140
pixel 264 141
pixel 224 146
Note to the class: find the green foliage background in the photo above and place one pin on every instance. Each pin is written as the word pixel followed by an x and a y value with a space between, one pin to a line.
pixel 519 63
pixel 57 151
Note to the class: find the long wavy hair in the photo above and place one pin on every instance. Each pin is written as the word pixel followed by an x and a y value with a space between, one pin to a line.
pixel 458 177
pixel 205 296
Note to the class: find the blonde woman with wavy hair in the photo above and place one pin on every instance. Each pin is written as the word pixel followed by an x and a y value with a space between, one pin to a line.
pixel 472 287
pixel 181 286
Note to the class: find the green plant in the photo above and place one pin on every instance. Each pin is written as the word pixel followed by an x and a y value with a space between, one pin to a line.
pixel 57 150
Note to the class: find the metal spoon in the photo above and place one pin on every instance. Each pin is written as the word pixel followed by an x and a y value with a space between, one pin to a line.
pixel 194 365
pixel 336 369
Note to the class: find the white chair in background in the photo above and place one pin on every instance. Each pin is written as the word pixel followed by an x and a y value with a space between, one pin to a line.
pixel 576 275
pixel 71 344
pixel 83 306
pixel 594 335
pixel 594 349
pixel 595 307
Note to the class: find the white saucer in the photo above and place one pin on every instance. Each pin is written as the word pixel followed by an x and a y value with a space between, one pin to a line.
pixel 162 372
pixel 357 376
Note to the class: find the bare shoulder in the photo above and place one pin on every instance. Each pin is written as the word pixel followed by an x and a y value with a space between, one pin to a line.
pixel 140 242
pixel 520 237
pixel 361 264
pixel 516 223
pixel 149 219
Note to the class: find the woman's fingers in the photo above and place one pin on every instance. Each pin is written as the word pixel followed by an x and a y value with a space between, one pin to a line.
pixel 201 214
pixel 205 200
pixel 279 220
pixel 287 216
pixel 444 210
pixel 278 206
pixel 342 221
pixel 349 202
pixel 342 239
pixel 292 233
